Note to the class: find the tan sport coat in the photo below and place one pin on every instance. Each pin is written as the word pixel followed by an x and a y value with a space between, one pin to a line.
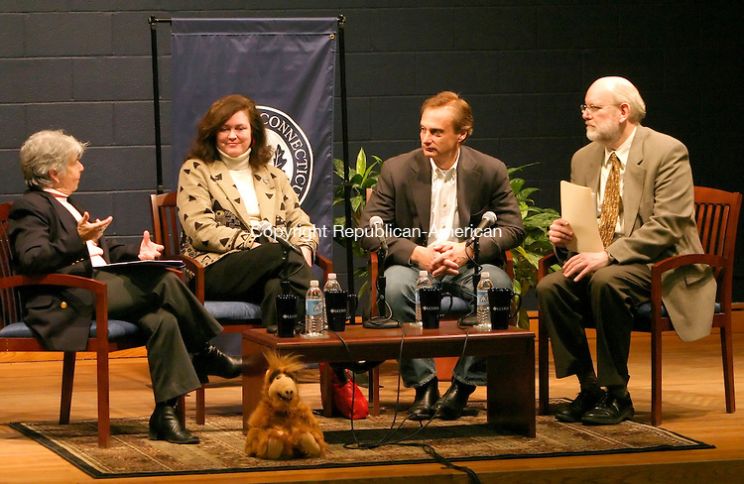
pixel 214 218
pixel 659 222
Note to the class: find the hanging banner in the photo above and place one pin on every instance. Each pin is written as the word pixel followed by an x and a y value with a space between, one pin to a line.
pixel 287 66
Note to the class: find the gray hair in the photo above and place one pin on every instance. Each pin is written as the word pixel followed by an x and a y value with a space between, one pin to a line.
pixel 45 151
pixel 625 92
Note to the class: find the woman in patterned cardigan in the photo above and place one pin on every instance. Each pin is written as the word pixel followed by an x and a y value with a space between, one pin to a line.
pixel 228 193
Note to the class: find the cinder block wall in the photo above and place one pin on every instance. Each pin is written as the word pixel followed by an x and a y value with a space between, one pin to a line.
pixel 85 66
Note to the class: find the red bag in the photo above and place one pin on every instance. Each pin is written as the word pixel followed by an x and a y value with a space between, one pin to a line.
pixel 342 396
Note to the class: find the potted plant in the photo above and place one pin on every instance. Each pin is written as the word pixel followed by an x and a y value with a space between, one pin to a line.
pixel 362 176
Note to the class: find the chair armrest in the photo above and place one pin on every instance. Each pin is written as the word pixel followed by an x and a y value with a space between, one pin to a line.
pixel 195 270
pixel 98 289
pixel 509 264
pixel 544 265
pixel 659 268
pixel 324 263
pixel 675 262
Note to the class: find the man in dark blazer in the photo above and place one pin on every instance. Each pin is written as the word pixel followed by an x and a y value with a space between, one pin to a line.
pixel 51 234
pixel 427 198
pixel 654 220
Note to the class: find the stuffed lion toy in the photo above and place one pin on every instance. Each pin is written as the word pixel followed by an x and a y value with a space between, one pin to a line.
pixel 282 426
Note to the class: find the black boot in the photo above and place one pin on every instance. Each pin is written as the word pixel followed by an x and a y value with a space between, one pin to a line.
pixel 212 361
pixel 451 405
pixel 164 425
pixel 427 396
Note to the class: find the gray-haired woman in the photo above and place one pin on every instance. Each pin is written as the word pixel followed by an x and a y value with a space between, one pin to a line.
pixel 50 233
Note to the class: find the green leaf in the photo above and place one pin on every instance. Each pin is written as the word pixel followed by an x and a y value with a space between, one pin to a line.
pixel 361 162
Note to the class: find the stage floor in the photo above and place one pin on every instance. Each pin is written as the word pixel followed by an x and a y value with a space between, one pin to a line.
pixel 692 396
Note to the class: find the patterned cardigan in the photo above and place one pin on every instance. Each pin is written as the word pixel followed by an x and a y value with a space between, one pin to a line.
pixel 214 220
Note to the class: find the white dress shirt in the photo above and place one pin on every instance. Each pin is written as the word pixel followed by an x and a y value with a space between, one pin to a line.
pixel 444 218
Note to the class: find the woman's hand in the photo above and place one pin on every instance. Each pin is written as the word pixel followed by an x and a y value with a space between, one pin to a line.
pixel 149 250
pixel 88 230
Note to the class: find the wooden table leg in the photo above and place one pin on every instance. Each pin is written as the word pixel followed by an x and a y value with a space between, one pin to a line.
pixel 326 390
pixel 511 390
pixel 254 368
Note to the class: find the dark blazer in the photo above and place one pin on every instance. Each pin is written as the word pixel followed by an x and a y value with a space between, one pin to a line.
pixel 45 240
pixel 659 222
pixel 402 198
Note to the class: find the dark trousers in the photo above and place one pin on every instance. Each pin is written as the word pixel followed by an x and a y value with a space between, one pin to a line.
pixel 175 323
pixel 605 300
pixel 255 276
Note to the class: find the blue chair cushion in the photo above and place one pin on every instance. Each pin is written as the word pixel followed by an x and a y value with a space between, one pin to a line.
pixel 116 328
pixel 233 311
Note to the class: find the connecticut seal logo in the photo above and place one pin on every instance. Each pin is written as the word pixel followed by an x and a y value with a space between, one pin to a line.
pixel 292 151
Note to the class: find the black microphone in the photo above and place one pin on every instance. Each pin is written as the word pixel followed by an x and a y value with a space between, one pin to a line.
pixel 376 223
pixel 272 234
pixel 488 219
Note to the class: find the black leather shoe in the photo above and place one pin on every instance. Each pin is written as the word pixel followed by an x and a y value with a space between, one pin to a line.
pixel 610 410
pixel 164 425
pixel 453 402
pixel 584 401
pixel 426 398
pixel 212 361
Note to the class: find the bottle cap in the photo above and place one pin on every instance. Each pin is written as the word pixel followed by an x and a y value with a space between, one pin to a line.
pixel 331 276
pixel 485 275
pixel 423 273
pixel 314 283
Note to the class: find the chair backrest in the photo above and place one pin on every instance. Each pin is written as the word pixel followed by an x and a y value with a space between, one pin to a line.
pixel 9 297
pixel 166 229
pixel 717 218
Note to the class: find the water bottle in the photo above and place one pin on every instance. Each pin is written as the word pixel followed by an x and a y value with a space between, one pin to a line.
pixel 335 304
pixel 314 312
pixel 423 281
pixel 483 314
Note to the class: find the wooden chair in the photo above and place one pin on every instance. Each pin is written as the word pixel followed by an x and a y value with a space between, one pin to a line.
pixel 106 335
pixel 235 316
pixel 717 217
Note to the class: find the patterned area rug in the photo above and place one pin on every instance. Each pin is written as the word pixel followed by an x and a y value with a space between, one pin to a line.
pixel 221 450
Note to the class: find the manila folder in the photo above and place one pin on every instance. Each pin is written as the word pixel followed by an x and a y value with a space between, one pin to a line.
pixel 579 208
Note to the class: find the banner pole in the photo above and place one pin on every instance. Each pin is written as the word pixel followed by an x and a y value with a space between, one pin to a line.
pixel 345 151
pixel 156 101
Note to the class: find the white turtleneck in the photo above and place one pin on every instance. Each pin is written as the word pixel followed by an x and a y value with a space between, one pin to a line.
pixel 242 175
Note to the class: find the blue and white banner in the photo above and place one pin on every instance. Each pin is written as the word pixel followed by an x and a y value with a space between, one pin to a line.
pixel 288 67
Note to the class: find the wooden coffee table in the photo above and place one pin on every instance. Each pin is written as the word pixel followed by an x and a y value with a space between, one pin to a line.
pixel 510 356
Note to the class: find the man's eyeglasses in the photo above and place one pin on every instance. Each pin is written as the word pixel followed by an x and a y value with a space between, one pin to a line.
pixel 592 108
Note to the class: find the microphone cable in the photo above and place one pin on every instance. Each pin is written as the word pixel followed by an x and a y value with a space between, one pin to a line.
pixel 387 438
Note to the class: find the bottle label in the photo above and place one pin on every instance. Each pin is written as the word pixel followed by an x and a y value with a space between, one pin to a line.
pixel 313 307
pixel 483 297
